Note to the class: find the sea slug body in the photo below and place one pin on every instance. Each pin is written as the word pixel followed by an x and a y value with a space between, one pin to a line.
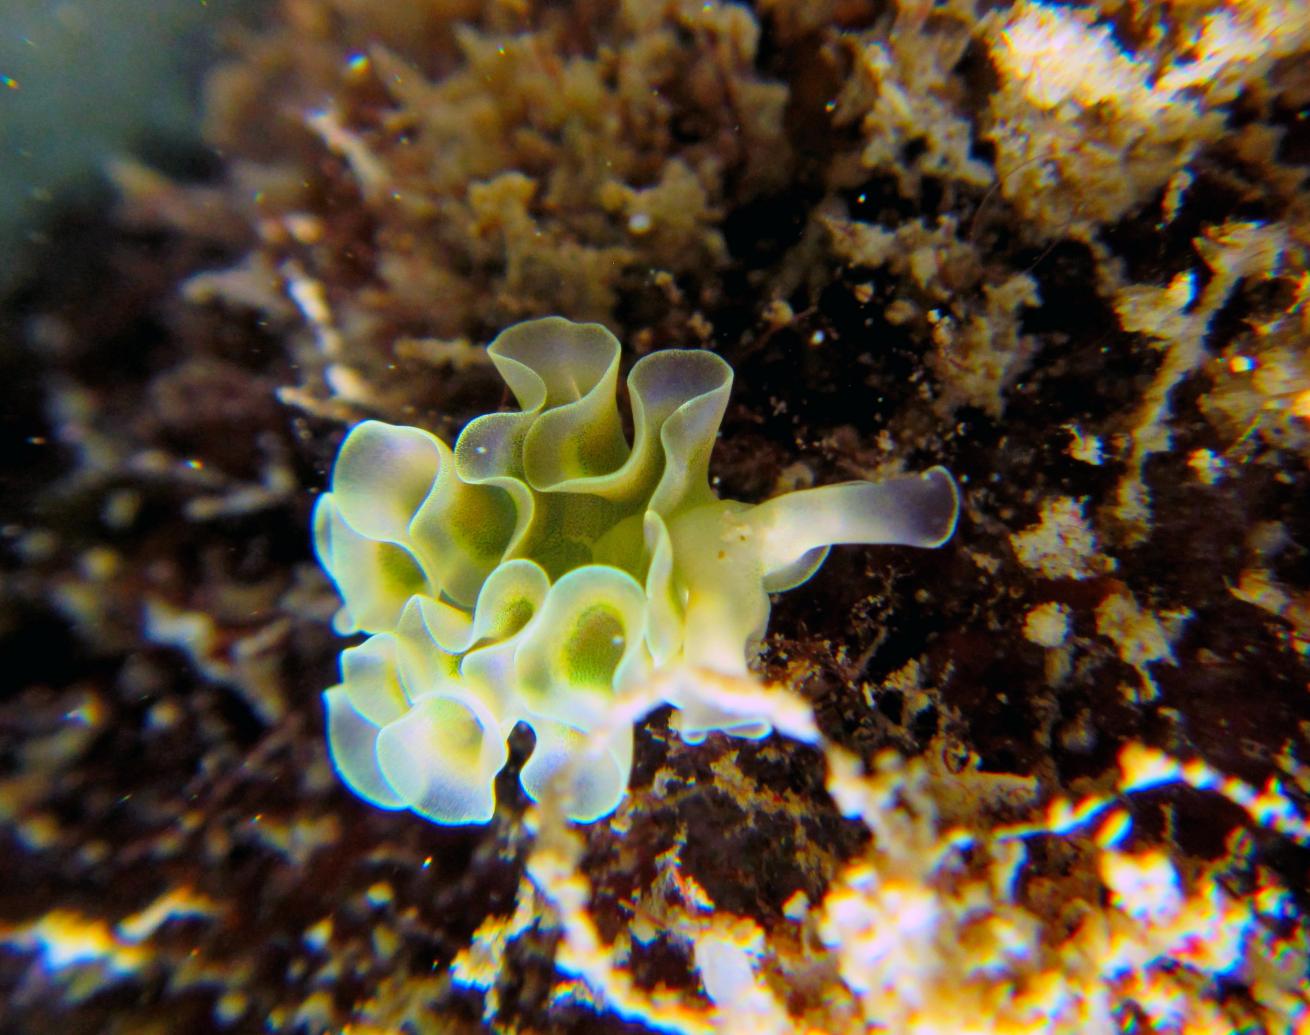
pixel 546 564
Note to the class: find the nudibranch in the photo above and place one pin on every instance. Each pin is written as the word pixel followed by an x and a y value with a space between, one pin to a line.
pixel 546 564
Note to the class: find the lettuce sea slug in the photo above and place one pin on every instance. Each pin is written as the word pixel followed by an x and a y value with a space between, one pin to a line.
pixel 546 564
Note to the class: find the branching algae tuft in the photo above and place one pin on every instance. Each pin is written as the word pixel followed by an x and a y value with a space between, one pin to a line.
pixel 545 565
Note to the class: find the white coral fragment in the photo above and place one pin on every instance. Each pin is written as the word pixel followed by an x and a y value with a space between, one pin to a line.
pixel 1062 545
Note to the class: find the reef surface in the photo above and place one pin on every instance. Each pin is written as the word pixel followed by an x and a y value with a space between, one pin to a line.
pixel 1052 776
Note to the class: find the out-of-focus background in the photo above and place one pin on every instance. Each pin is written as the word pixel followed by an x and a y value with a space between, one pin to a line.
pixel 85 81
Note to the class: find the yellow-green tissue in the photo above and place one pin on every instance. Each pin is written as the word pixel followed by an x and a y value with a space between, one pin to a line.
pixel 547 564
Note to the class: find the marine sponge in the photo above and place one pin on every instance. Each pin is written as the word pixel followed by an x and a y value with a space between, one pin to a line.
pixel 545 565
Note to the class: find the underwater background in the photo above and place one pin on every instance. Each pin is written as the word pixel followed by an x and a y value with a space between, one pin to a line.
pixel 1052 775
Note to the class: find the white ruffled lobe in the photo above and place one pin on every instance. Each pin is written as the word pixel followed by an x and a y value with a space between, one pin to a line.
pixel 586 644
pixel 405 731
pixel 599 779
pixel 442 756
